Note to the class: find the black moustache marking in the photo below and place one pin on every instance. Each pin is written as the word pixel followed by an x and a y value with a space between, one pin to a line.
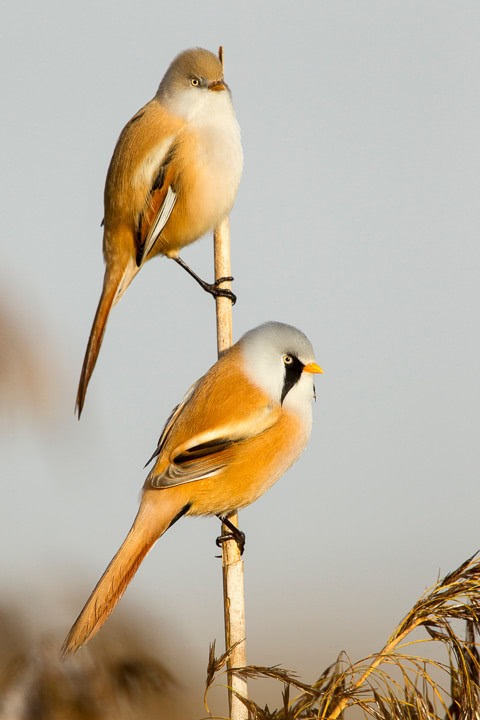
pixel 293 373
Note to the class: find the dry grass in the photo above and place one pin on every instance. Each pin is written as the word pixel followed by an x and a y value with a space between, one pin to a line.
pixel 404 680
pixel 429 668
pixel 39 686
pixel 119 679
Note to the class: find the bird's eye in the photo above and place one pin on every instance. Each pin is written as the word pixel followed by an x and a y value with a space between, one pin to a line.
pixel 287 359
pixel 195 82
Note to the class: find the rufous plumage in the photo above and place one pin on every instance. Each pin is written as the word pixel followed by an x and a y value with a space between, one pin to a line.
pixel 236 431
pixel 173 177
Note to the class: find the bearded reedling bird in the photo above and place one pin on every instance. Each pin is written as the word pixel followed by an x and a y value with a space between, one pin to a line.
pixel 236 431
pixel 173 177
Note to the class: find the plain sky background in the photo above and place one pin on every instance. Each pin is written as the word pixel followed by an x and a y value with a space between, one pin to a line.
pixel 357 220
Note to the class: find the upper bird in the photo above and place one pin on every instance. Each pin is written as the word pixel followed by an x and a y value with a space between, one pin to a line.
pixel 173 176
pixel 236 431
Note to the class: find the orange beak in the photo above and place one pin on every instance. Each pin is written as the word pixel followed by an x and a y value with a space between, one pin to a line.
pixel 312 367
pixel 217 86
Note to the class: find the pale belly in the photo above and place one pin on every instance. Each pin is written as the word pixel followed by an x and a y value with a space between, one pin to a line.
pixel 211 171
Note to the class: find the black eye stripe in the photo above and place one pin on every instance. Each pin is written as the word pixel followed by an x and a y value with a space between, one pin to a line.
pixel 293 372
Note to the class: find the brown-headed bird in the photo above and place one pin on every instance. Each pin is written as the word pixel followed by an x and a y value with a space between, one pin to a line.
pixel 173 177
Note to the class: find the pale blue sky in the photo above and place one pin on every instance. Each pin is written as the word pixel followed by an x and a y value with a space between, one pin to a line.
pixel 357 220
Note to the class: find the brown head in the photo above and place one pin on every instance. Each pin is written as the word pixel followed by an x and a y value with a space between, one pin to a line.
pixel 194 68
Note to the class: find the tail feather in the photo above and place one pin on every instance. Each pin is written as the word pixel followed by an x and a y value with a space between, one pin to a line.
pixel 113 288
pixel 149 525
pixel 108 591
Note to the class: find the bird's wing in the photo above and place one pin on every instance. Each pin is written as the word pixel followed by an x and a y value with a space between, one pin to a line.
pixel 171 421
pixel 158 208
pixel 195 463
pixel 207 453
pixel 221 411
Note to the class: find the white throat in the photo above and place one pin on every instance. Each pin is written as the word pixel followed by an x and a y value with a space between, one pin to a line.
pixel 201 107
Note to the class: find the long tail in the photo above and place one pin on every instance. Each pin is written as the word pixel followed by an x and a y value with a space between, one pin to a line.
pixel 152 520
pixel 114 286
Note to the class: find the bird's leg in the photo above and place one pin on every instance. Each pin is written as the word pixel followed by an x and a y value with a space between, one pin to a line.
pixel 234 533
pixel 211 288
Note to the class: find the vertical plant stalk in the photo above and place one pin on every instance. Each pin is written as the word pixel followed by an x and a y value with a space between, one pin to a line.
pixel 232 563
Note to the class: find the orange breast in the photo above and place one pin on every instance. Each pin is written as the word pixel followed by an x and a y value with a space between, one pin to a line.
pixel 257 465
pixel 225 399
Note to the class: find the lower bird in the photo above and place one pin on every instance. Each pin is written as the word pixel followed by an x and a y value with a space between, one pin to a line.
pixel 236 431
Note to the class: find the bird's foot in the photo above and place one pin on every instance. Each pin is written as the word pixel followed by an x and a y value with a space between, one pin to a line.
pixel 212 288
pixel 216 291
pixel 234 534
